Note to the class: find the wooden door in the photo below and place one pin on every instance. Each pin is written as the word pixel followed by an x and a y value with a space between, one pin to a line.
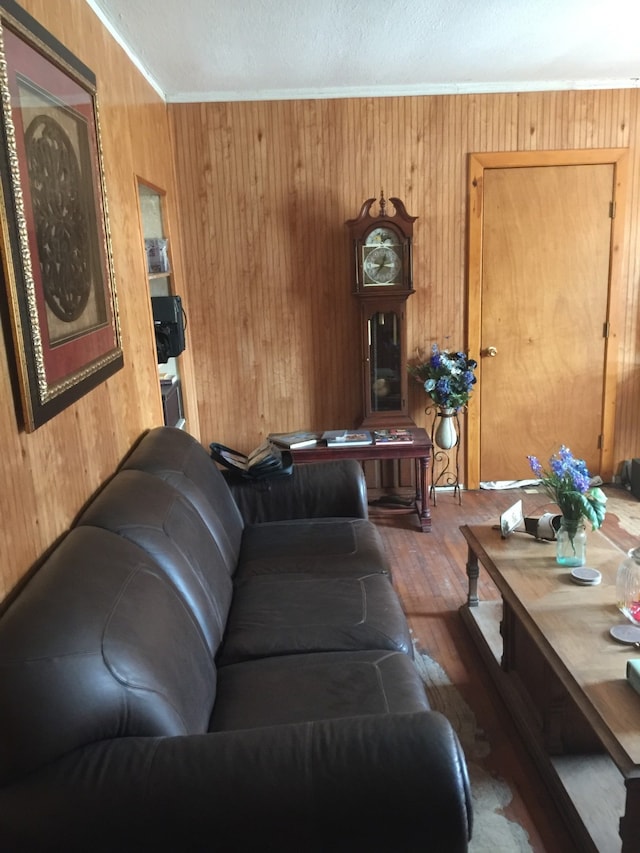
pixel 544 310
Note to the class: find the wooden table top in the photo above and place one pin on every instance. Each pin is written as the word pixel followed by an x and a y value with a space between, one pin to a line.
pixel 570 625
pixel 419 448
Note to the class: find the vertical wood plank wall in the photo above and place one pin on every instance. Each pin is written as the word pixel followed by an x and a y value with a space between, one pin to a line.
pixel 265 189
pixel 257 197
pixel 48 475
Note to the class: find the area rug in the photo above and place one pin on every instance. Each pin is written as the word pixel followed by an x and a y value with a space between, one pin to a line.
pixel 626 510
pixel 619 502
pixel 492 831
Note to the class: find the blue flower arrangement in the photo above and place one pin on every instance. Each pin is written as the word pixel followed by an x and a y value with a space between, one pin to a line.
pixel 568 484
pixel 448 377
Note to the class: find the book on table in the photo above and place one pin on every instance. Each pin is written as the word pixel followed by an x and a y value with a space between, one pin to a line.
pixel 295 440
pixel 347 438
pixel 393 436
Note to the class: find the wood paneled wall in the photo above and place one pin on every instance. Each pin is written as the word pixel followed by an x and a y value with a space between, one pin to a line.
pixel 261 258
pixel 48 475
pixel 265 189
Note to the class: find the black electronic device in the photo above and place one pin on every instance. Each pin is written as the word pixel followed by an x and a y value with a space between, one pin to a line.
pixel 169 325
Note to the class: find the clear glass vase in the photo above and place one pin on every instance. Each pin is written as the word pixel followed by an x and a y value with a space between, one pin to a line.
pixel 571 543
pixel 628 586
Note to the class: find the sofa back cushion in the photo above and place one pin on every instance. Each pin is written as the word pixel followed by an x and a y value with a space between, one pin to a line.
pixel 149 511
pixel 97 645
pixel 175 456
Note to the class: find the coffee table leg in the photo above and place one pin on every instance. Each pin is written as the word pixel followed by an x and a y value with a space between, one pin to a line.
pixel 422 498
pixel 473 572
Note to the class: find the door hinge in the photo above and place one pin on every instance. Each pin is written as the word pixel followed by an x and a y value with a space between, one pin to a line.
pixel 606 328
pixel 600 441
pixel 612 210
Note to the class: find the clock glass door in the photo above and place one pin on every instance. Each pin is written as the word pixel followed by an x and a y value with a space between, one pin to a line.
pixel 385 361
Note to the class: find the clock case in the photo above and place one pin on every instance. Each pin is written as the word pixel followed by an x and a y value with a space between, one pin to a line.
pixel 384 374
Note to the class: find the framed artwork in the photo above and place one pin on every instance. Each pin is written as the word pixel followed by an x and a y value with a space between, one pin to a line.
pixel 56 249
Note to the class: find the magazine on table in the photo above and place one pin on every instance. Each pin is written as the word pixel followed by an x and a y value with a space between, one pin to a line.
pixel 393 436
pixel 347 438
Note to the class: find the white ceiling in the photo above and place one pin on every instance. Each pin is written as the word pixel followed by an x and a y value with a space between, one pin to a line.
pixel 231 50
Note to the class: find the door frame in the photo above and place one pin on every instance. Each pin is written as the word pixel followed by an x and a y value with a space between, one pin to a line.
pixel 523 159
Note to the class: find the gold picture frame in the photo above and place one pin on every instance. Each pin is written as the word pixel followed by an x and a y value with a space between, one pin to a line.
pixel 57 259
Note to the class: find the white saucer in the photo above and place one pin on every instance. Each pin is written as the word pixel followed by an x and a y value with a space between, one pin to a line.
pixel 585 576
pixel 626 633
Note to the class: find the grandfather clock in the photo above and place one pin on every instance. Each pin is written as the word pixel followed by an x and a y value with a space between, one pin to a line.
pixel 382 264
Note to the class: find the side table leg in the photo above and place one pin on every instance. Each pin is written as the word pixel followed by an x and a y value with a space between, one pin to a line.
pixel 424 513
pixel 473 572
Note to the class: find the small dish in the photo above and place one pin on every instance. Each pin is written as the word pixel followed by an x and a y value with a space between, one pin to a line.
pixel 626 633
pixel 586 576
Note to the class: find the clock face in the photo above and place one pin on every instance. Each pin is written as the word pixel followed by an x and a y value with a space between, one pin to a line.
pixel 381 266
pixel 381 252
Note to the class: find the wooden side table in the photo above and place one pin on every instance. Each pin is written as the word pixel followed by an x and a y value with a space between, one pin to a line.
pixel 419 450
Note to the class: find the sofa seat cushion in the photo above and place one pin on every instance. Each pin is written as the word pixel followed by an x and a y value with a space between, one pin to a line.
pixel 322 546
pixel 290 614
pixel 304 688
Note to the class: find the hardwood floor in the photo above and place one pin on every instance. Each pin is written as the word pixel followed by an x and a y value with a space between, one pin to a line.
pixel 429 575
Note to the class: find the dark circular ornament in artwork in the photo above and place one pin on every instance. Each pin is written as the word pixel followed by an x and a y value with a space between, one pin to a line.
pixel 60 217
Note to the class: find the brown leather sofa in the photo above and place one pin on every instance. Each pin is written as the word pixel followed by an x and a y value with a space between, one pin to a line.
pixel 176 676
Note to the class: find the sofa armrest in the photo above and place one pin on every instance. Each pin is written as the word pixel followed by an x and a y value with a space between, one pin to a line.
pixel 313 490
pixel 354 785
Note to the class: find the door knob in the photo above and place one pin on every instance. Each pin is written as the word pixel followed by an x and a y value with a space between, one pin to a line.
pixel 490 352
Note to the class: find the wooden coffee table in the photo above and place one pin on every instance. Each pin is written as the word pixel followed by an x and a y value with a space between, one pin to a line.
pixel 546 642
